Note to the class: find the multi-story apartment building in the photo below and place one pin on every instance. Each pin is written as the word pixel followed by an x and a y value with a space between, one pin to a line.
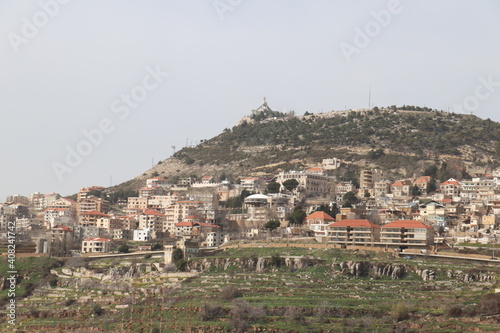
pixel 89 219
pixel 353 232
pixel 450 188
pixel 368 178
pixel 253 184
pixel 407 232
pixel 151 219
pixel 92 203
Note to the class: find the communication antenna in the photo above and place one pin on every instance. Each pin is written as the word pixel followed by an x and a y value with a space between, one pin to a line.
pixel 173 148
pixel 370 97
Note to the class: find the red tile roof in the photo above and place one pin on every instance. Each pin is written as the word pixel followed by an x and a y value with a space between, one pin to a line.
pixel 185 224
pixel 401 183
pixel 63 227
pixel 97 239
pixel 353 223
pixel 423 179
pixel 320 215
pixel 152 212
pixel 95 212
pixel 55 209
pixel 315 169
pixel 406 224
pixel 450 182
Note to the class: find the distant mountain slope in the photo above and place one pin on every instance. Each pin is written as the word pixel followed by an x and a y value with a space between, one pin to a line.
pixel 402 142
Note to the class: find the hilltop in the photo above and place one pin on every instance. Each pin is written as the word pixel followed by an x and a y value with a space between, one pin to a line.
pixel 402 142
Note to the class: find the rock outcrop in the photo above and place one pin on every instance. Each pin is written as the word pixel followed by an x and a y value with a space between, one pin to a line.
pixel 253 264
pixel 367 268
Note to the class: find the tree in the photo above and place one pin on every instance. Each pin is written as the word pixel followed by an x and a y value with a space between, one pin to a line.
pixel 291 184
pixel 375 154
pixel 333 211
pixel 272 224
pixel 273 187
pixel 177 255
pixel 297 216
pixel 415 190
pixel 431 186
pixel 350 197
pixel 367 194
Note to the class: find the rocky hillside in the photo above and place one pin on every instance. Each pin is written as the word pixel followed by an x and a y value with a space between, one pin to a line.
pixel 403 142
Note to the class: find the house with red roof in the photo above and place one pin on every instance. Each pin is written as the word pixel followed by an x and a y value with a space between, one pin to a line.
pixel 450 188
pixel 422 182
pixel 318 221
pixel 61 233
pixel 96 245
pixel 319 217
pixel 89 219
pixel 156 181
pixel 190 228
pixel 146 191
pixel 407 232
pixel 353 232
pixel 401 188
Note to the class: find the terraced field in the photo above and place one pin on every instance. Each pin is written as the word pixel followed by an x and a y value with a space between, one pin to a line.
pixel 233 296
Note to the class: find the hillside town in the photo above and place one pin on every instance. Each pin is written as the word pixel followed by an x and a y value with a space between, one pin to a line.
pixel 204 213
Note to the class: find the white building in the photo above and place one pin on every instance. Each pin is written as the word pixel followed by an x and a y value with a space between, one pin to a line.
pixel 142 235
pixel 96 245
pixel 214 239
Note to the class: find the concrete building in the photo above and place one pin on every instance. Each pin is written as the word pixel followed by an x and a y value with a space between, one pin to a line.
pixel 353 232
pixel 407 232
pixel 96 245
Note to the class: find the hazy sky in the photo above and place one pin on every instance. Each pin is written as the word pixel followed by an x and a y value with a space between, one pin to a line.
pixel 93 89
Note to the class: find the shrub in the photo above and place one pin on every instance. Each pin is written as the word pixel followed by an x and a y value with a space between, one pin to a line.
pixel 123 248
pixel 277 260
pixel 181 265
pixel 229 292
pixel 148 256
pixel 454 311
pixel 211 311
pixel 488 305
pixel 294 313
pixel 53 282
pixel 69 302
pixel 238 320
pixel 156 246
pixel 399 312
pixel 97 310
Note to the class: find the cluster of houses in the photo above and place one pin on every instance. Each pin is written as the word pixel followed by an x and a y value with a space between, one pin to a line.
pixel 408 212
